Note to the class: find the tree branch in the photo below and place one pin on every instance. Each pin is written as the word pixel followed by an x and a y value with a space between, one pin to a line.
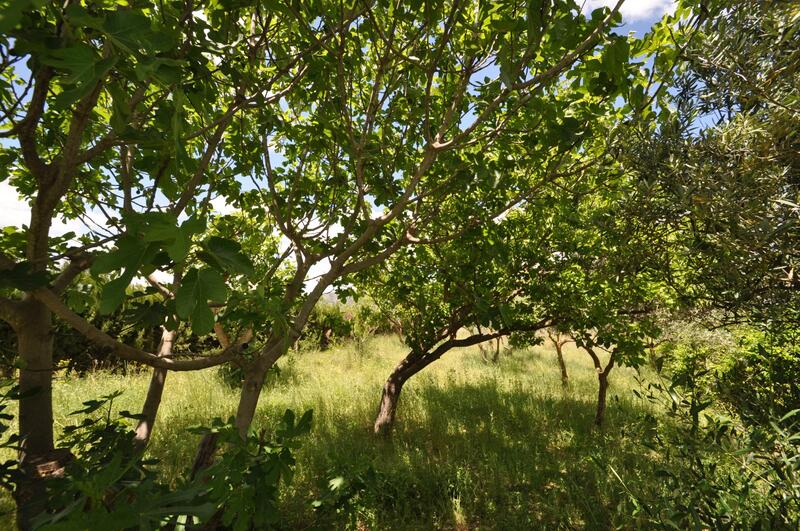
pixel 94 334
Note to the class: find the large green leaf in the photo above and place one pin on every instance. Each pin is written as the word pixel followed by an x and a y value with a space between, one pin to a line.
pixel 227 255
pixel 187 295
pixel 213 285
pixel 191 300
pixel 83 67
pixel 128 254
pixel 128 29
pixel 202 320
pixel 113 293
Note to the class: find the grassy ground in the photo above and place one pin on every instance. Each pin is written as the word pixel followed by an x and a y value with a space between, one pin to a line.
pixel 476 445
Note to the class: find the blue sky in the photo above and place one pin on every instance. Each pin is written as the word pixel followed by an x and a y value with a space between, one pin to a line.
pixel 637 15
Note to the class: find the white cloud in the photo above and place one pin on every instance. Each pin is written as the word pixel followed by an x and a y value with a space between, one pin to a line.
pixel 13 211
pixel 221 207
pixel 16 212
pixel 634 10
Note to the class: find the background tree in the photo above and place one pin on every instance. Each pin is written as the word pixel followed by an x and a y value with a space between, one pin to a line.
pixel 718 169
pixel 564 259
pixel 424 99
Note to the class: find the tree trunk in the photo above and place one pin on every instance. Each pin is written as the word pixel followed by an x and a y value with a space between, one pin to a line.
pixel 562 364
pixel 388 406
pixel 390 396
pixel 205 454
pixel 252 382
pixel 248 400
pixel 153 400
pixel 600 414
pixel 560 339
pixel 37 457
pixel 602 379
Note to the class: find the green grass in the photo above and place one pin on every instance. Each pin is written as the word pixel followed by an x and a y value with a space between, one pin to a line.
pixel 476 445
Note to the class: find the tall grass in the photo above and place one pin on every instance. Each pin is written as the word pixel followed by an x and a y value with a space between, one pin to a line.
pixel 499 446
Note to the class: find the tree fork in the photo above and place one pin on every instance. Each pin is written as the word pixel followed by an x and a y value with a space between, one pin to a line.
pixel 602 380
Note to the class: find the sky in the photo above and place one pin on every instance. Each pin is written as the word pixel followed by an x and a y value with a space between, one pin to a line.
pixel 638 16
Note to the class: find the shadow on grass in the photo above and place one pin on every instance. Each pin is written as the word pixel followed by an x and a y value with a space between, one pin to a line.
pixel 470 456
pixel 488 453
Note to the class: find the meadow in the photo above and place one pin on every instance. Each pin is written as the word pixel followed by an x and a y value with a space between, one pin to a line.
pixel 476 445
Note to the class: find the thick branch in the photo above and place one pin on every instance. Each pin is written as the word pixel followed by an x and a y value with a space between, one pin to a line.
pixel 91 332
pixel 27 127
pixel 77 265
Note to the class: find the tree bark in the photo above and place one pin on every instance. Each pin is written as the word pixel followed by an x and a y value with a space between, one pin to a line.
pixel 562 364
pixel 35 348
pixel 560 339
pixel 602 379
pixel 144 429
pixel 390 395
pixel 248 400
pixel 208 445
pixel 205 454
pixel 388 406
pixel 600 414
pixel 254 379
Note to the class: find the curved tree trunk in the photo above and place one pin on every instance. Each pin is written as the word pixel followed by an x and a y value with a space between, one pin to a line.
pixel 560 339
pixel 388 405
pixel 208 444
pixel 144 428
pixel 411 365
pixel 248 400
pixel 390 396
pixel 38 458
pixel 254 382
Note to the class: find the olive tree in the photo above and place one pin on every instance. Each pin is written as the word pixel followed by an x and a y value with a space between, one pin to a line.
pixel 718 160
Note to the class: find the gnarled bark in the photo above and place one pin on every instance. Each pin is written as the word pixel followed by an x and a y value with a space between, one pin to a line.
pixel 602 388
pixel 248 400
pixel 562 365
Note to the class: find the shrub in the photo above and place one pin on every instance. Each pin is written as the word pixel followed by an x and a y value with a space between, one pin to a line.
pixel 326 325
pixel 762 381
pixel 755 373
pixel 108 485
pixel 714 473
